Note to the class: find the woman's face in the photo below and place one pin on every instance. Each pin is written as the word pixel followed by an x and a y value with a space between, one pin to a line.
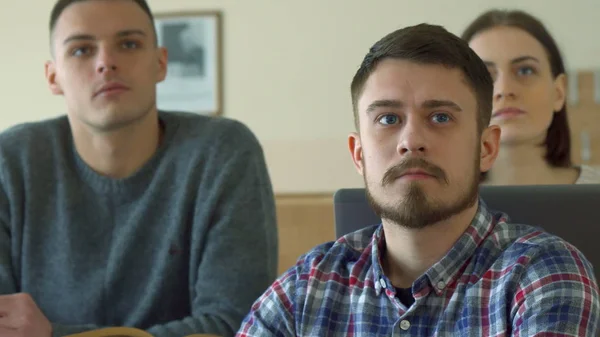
pixel 526 95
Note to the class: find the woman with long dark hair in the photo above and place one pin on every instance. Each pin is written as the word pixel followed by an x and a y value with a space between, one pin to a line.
pixel 529 100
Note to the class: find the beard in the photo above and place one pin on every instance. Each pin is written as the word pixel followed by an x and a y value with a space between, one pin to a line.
pixel 416 209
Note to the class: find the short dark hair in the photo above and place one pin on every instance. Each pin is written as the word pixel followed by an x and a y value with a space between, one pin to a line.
pixel 558 137
pixel 61 5
pixel 429 44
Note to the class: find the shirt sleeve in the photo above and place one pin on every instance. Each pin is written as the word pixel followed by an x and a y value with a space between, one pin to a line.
pixel 272 315
pixel 557 296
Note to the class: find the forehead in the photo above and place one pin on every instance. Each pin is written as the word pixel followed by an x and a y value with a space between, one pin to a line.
pixel 101 18
pixel 414 83
pixel 502 44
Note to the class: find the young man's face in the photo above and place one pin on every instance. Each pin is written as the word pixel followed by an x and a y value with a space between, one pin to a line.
pixel 106 63
pixel 418 146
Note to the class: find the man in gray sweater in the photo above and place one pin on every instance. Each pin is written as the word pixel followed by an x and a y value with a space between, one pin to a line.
pixel 118 214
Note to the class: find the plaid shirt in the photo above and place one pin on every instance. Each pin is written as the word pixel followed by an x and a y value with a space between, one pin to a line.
pixel 499 279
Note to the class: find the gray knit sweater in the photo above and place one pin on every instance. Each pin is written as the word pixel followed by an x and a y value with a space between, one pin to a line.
pixel 183 246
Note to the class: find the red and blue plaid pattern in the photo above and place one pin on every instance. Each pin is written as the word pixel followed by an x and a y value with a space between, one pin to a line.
pixel 499 279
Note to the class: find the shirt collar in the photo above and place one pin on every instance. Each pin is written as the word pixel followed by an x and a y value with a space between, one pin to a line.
pixel 444 272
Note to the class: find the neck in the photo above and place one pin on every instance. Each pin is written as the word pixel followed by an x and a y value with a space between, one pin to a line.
pixel 118 153
pixel 525 164
pixel 409 253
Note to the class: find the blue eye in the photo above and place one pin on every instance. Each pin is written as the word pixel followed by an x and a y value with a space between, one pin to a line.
pixel 441 118
pixel 388 119
pixel 81 51
pixel 130 44
pixel 526 71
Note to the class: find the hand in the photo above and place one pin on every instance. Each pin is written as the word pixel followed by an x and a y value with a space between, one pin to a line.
pixel 21 317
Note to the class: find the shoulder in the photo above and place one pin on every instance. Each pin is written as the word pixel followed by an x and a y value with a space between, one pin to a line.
pixel 537 257
pixel 336 261
pixel 35 140
pixel 215 132
pixel 521 251
pixel 43 130
pixel 551 277
pixel 589 175
pixel 326 266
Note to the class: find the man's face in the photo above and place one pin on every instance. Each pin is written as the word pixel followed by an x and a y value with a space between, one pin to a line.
pixel 418 147
pixel 106 63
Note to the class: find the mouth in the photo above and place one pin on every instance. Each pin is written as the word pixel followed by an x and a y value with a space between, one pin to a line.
pixel 508 113
pixel 111 89
pixel 415 175
pixel 413 169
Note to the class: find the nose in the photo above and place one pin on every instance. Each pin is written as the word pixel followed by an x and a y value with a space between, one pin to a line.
pixel 412 138
pixel 504 87
pixel 106 61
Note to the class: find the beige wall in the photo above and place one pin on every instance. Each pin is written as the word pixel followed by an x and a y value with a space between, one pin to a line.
pixel 288 65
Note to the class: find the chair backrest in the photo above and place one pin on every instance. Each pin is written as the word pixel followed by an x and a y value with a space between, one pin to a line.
pixel 567 211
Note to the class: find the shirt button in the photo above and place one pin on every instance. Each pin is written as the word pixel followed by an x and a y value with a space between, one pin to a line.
pixel 441 285
pixel 405 325
pixel 382 283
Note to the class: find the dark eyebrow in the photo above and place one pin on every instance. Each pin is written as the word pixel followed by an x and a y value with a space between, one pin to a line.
pixel 131 32
pixel 429 105
pixel 515 60
pixel 384 103
pixel 78 37
pixel 524 58
pixel 440 103
pixel 88 37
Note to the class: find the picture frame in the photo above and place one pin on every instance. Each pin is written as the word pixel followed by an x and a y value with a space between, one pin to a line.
pixel 194 80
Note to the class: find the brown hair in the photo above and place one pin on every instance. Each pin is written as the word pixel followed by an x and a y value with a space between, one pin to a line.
pixel 61 5
pixel 429 44
pixel 558 138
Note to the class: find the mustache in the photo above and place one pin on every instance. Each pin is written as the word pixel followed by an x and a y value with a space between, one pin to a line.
pixel 412 163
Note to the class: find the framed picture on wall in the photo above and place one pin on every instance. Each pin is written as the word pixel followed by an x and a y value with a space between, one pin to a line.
pixel 194 70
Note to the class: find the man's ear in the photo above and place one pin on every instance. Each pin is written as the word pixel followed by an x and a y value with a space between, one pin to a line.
pixel 50 72
pixel 163 59
pixel 490 145
pixel 356 151
pixel 560 89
